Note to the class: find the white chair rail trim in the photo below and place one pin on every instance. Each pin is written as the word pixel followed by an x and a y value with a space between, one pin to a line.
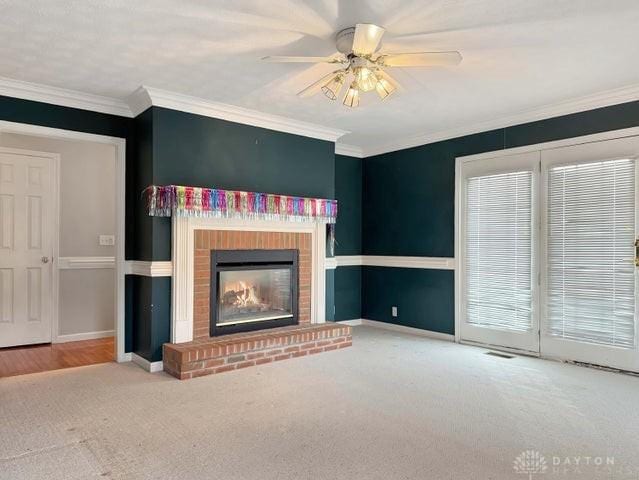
pixel 78 263
pixel 165 268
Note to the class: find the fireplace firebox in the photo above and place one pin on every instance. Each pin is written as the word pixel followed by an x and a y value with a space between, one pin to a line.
pixel 253 290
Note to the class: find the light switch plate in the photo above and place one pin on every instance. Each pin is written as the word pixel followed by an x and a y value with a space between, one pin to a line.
pixel 394 311
pixel 106 240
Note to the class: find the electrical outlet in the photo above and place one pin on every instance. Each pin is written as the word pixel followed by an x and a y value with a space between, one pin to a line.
pixel 394 311
pixel 106 240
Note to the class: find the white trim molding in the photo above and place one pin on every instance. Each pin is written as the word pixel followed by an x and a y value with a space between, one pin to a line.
pixel 76 337
pixel 63 97
pixel 349 150
pixel 149 269
pixel 436 263
pixel 433 263
pixel 80 263
pixel 145 97
pixel 330 263
pixel 575 105
pixel 409 330
pixel 151 367
pixel 349 260
pixel 183 246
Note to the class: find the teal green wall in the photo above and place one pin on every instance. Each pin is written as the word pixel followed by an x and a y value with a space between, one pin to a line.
pixel 409 197
pixel 348 234
pixel 185 149
pixel 348 192
pixel 410 290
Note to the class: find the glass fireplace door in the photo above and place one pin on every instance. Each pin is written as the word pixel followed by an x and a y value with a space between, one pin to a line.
pixel 254 295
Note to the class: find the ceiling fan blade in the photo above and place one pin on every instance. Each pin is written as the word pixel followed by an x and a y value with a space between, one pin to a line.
pixel 315 87
pixel 285 59
pixel 421 59
pixel 367 38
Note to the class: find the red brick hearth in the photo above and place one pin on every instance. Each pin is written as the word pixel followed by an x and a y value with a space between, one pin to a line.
pixel 206 356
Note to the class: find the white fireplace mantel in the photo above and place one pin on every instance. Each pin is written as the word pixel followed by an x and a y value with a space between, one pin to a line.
pixel 183 246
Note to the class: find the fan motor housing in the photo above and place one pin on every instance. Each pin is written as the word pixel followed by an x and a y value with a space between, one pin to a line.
pixel 344 40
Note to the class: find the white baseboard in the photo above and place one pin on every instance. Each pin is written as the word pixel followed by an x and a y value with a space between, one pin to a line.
pixel 410 330
pixel 352 323
pixel 124 357
pixel 76 337
pixel 146 365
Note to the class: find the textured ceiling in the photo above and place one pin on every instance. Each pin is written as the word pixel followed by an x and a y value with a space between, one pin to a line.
pixel 518 54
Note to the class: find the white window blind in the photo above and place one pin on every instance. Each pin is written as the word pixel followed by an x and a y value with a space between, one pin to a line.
pixel 498 257
pixel 591 224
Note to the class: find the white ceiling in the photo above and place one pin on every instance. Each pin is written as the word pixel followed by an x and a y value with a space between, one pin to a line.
pixel 518 54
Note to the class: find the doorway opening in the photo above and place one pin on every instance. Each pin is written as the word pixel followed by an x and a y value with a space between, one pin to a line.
pixel 62 248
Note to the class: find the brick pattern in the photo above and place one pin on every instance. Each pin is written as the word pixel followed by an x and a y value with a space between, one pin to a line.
pixel 207 240
pixel 232 352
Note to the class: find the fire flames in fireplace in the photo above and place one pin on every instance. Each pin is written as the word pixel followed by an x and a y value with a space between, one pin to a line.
pixel 254 295
pixel 242 295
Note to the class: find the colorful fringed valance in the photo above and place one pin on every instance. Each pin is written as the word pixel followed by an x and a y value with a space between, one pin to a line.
pixel 164 201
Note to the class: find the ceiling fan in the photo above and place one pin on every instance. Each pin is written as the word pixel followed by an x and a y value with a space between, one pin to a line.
pixel 363 66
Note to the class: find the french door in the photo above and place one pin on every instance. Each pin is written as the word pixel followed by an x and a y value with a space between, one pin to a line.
pixel 588 230
pixel 566 288
pixel 499 264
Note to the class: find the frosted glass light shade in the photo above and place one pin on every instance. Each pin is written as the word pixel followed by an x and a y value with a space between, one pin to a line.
pixel 365 79
pixel 333 86
pixel 384 88
pixel 352 96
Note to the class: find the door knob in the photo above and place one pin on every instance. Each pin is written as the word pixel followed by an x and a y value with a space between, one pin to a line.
pixel 45 259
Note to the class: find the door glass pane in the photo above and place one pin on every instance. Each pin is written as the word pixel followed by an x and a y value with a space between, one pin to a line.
pixel 591 225
pixel 498 257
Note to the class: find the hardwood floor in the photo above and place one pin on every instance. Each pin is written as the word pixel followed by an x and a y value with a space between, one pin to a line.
pixel 42 358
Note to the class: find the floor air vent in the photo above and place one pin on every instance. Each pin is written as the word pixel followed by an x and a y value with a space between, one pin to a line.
pixel 500 355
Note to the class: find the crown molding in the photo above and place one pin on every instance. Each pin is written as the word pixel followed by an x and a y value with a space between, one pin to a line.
pixel 579 104
pixel 349 150
pixel 63 97
pixel 146 97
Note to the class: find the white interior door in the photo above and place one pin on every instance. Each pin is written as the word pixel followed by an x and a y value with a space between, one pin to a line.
pixel 498 263
pixel 589 223
pixel 26 247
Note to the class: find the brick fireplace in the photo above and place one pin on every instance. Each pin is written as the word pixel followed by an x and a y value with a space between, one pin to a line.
pixel 197 347
pixel 221 240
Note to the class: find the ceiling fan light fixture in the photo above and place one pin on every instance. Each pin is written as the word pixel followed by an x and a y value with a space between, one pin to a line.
pixel 358 55
pixel 332 88
pixel 384 88
pixel 365 79
pixel 351 99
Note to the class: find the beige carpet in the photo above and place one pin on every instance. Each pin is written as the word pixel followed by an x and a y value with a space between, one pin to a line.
pixel 391 407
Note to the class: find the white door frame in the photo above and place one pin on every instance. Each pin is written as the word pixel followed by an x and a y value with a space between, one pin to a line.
pixel 459 161
pixel 120 220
